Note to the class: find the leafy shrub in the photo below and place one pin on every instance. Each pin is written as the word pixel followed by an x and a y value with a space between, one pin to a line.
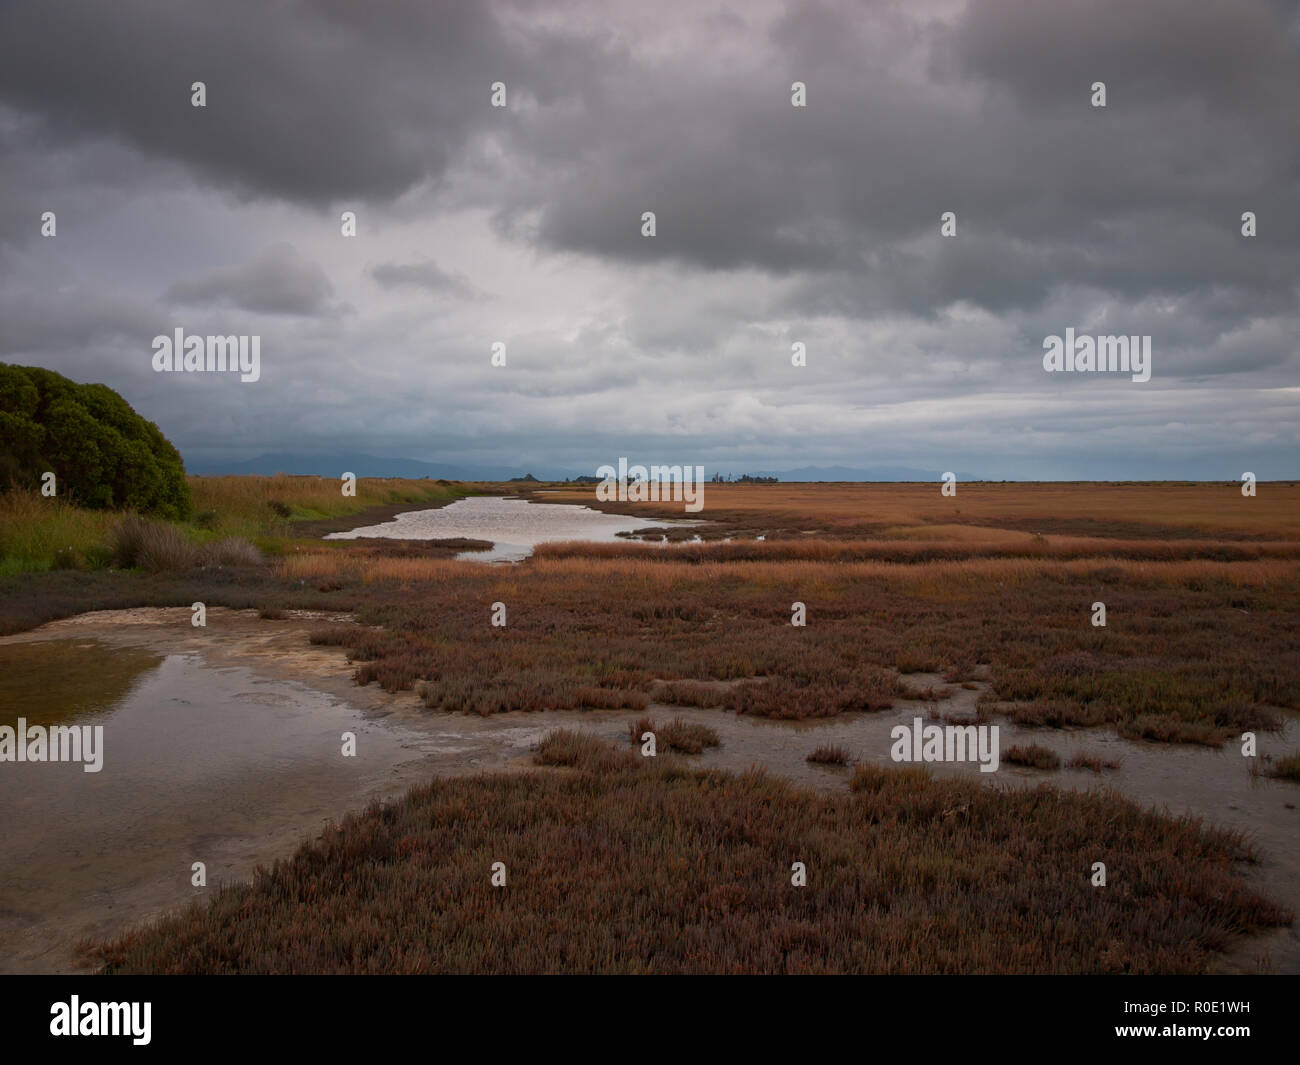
pixel 102 453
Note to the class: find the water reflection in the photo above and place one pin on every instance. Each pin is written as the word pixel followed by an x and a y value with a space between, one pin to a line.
pixel 515 526
pixel 56 681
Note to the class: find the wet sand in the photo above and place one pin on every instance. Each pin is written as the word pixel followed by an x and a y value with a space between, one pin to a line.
pixel 229 753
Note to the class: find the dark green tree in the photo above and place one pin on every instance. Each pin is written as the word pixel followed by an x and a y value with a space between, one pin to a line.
pixel 102 452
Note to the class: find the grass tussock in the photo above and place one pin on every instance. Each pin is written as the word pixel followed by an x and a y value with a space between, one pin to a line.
pixel 688 737
pixel 678 735
pixel 162 547
pixel 545 689
pixel 153 546
pixel 1286 768
pixel 1034 756
pixel 623 865
pixel 565 747
pixel 1082 760
pixel 232 551
pixel 830 754
pixel 690 693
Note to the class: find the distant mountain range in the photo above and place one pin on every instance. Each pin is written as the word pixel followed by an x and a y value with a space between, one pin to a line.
pixel 372 466
pixel 335 465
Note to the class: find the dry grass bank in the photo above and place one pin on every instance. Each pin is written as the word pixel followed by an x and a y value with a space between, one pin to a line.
pixel 1162 510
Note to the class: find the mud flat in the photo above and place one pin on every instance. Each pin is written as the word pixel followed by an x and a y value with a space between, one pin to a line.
pixel 223 745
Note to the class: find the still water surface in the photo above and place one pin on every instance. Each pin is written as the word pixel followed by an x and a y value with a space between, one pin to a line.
pixel 514 526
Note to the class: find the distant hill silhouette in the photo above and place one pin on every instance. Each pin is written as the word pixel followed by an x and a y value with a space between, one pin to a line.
pixel 334 465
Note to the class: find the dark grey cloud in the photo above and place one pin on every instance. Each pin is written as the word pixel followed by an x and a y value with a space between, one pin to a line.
pixel 313 100
pixel 1229 56
pixel 1142 197
pixel 775 224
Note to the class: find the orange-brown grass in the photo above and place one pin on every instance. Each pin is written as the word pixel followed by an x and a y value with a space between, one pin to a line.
pixel 1032 755
pixel 940 575
pixel 678 735
pixel 1082 760
pixel 830 754
pixel 824 550
pixel 687 737
pixel 1162 510
pixel 371 566
pixel 565 747
pixel 1192 652
pixel 1286 768
pixel 777 697
pixel 690 693
pixel 842 691
pixel 619 866
pixel 929 693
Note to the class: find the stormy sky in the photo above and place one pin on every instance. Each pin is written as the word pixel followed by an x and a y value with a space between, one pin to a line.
pixel 775 224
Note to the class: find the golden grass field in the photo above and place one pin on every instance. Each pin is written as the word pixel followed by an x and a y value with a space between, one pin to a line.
pixel 1209 511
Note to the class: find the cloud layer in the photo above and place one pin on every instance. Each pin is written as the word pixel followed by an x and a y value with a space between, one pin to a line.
pixel 774 225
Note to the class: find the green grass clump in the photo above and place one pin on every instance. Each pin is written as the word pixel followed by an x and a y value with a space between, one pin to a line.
pixel 237 514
